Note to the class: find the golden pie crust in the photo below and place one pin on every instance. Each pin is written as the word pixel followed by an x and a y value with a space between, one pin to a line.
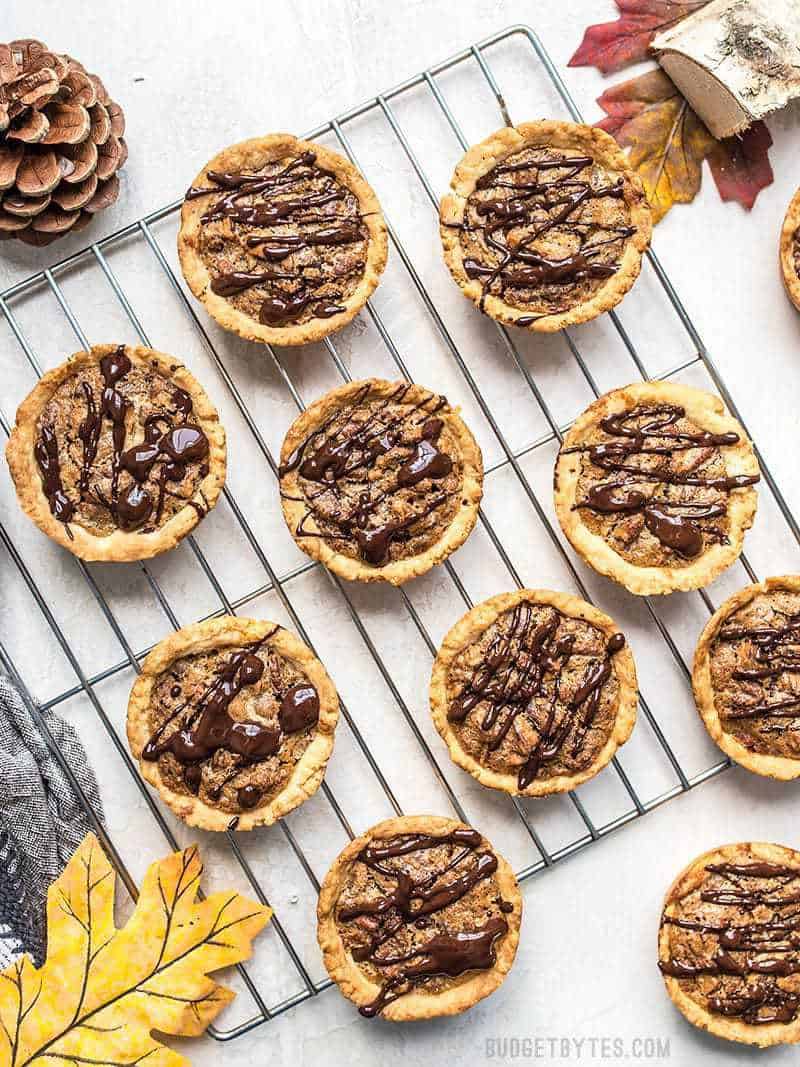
pixel 789 249
pixel 466 990
pixel 708 413
pixel 780 767
pixel 249 156
pixel 234 632
pixel 458 528
pixel 732 1029
pixel 482 158
pixel 469 630
pixel 120 545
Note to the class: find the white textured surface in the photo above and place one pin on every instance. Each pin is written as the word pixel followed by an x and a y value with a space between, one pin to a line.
pixel 194 77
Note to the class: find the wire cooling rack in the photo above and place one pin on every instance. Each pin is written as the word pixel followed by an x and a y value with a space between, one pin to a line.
pixel 520 394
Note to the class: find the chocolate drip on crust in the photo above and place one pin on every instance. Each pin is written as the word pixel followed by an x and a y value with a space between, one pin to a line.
pixel 206 726
pixel 649 430
pixel 264 202
pixel 174 446
pixel 448 953
pixel 528 199
pixel 526 663
pixel 748 955
pixel 340 454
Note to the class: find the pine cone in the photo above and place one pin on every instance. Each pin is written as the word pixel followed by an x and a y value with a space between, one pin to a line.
pixel 61 144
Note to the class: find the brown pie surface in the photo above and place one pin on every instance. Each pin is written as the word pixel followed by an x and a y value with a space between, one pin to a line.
pixel 533 691
pixel 118 453
pixel 654 487
pixel 746 677
pixel 232 720
pixel 545 224
pixel 729 943
pixel 418 917
pixel 380 480
pixel 282 239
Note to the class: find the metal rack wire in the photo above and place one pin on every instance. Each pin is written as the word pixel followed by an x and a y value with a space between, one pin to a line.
pixel 381 106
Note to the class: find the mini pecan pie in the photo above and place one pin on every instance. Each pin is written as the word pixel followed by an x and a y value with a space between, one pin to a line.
pixel 418 917
pixel 729 943
pixel 232 720
pixel 653 487
pixel 746 677
pixel 281 239
pixel 533 691
pixel 118 453
pixel 380 480
pixel 545 225
pixel 790 250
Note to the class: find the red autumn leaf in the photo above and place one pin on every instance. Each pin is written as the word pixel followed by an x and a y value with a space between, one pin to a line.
pixel 618 112
pixel 740 165
pixel 610 46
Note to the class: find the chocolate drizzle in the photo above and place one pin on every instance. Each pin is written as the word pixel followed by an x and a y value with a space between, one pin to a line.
pixel 521 673
pixel 410 903
pixel 339 456
pixel 173 446
pixel 766 652
pixel 46 452
pixel 520 210
pixel 204 726
pixel 640 458
pixel 248 796
pixel 747 955
pixel 299 708
pixel 291 207
pixel 427 461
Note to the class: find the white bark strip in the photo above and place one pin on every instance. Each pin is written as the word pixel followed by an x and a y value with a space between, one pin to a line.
pixel 735 61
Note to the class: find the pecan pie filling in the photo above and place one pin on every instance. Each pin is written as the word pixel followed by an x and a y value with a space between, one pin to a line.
pixel 117 447
pixel 421 911
pixel 380 478
pixel 655 486
pixel 545 229
pixel 536 695
pixel 733 941
pixel 284 244
pixel 755 674
pixel 229 725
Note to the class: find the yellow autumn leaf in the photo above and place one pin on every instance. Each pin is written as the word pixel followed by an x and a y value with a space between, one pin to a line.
pixel 101 991
pixel 666 139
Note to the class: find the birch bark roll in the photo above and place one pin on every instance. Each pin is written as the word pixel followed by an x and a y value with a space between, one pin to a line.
pixel 735 61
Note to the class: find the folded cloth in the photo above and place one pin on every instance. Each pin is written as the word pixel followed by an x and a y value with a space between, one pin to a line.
pixel 42 818
pixel 14 907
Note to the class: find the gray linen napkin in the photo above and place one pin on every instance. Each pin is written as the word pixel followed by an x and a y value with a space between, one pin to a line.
pixel 42 820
